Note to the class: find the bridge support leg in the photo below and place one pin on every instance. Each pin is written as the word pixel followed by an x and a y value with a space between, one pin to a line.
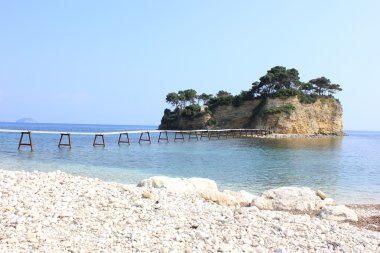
pixel 179 138
pixel 103 143
pixel 141 137
pixel 193 137
pixel 121 141
pixel 223 133
pixel 60 144
pixel 30 144
pixel 205 134
pixel 166 138
pixel 213 134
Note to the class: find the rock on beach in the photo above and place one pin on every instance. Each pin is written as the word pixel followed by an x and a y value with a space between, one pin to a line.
pixel 301 199
pixel 338 213
pixel 58 212
pixel 206 188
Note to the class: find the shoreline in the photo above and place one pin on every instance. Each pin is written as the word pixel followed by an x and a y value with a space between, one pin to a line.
pixel 301 136
pixel 60 212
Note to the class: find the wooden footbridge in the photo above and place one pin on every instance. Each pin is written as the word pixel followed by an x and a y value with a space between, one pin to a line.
pixel 145 135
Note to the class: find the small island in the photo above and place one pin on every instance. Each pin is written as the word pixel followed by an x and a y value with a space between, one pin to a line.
pixel 279 102
pixel 26 120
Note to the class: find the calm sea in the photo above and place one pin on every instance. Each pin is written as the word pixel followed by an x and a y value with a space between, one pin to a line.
pixel 346 168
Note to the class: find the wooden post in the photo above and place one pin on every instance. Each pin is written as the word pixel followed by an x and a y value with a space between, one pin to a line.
pixel 103 143
pixel 193 133
pixel 30 144
pixel 141 139
pixel 179 138
pixel 65 144
pixel 223 133
pixel 213 134
pixel 205 134
pixel 121 141
pixel 166 138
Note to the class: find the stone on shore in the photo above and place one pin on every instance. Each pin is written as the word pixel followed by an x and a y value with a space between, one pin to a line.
pixel 188 185
pixel 321 194
pixel 228 198
pixel 206 188
pixel 58 212
pixel 338 213
pixel 290 199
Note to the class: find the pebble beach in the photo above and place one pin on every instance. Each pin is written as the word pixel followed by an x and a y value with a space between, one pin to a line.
pixel 58 212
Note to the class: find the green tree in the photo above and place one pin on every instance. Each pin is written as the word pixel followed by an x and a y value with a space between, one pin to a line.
pixel 222 94
pixel 204 98
pixel 277 80
pixel 172 98
pixel 307 88
pixel 190 95
pixel 323 86
pixel 182 99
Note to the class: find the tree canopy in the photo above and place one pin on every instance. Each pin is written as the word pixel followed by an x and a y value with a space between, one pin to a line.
pixel 323 86
pixel 277 82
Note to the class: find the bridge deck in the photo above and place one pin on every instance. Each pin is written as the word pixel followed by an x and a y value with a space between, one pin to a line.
pixel 215 133
pixel 122 132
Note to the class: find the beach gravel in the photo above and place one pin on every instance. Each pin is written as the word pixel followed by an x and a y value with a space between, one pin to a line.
pixel 58 212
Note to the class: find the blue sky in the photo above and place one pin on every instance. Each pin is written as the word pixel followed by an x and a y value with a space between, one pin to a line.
pixel 113 62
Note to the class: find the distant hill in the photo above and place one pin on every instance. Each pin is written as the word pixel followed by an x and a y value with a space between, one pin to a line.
pixel 26 120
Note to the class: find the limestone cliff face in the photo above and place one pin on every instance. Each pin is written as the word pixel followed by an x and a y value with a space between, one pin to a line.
pixel 322 117
pixel 232 117
pixel 195 123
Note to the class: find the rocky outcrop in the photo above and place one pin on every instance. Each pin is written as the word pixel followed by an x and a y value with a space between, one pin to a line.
pixel 206 188
pixel 228 198
pixel 291 199
pixel 338 213
pixel 235 117
pixel 323 117
pixel 179 184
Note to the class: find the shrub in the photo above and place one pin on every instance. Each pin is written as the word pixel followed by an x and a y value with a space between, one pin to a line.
pixel 285 93
pixel 211 122
pixel 286 108
pixel 307 98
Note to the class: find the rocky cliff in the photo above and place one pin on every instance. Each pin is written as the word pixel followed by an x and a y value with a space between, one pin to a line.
pixel 284 116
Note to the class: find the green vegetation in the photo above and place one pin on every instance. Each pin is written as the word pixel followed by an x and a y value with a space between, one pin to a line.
pixel 307 98
pixel 286 108
pixel 278 82
pixel 283 83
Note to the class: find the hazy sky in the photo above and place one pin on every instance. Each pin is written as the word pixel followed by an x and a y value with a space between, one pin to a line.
pixel 113 62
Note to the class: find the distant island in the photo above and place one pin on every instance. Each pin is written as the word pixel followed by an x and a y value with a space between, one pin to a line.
pixel 26 120
pixel 279 101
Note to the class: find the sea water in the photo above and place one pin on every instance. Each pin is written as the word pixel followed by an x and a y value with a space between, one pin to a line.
pixel 346 168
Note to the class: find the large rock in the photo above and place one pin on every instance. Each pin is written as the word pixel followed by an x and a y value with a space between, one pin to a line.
pixel 338 213
pixel 290 198
pixel 229 198
pixel 206 188
pixel 180 184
